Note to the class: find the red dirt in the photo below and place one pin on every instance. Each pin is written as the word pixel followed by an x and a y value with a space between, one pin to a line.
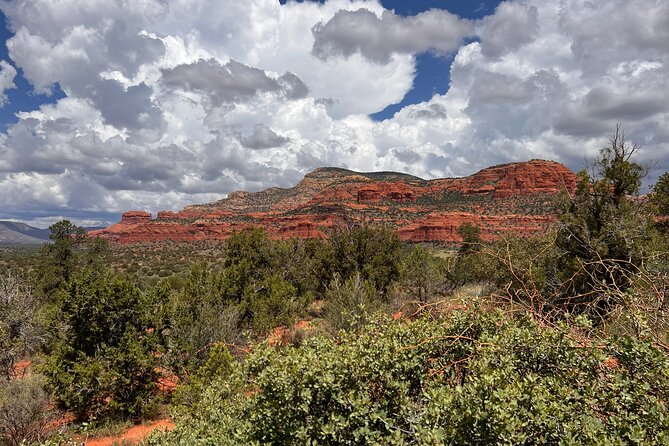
pixel 63 420
pixel 304 325
pixel 277 336
pixel 611 363
pixel 134 434
pixel 21 369
pixel 167 382
pixel 281 334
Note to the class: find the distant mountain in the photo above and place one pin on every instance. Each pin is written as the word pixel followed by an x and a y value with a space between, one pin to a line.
pixel 14 233
pixel 512 198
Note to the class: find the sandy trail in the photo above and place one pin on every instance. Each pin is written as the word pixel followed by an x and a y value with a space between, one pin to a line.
pixel 133 435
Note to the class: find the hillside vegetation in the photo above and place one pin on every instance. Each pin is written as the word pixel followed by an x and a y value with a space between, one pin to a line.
pixel 355 339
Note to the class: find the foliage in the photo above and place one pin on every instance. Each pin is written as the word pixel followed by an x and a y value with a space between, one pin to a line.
pixel 59 257
pixel 374 253
pixel 255 278
pixel 471 265
pixel 194 317
pixel 524 270
pixel 20 332
pixel 218 365
pixel 271 302
pixel 259 285
pixel 348 305
pixel 24 411
pixel 473 378
pixel 101 361
pixel 302 264
pixel 660 195
pixel 472 268
pixel 422 273
pixel 604 232
pixel 659 200
pixel 471 238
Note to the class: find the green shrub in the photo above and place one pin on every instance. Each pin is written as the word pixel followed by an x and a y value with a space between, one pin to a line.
pixel 24 411
pixel 374 253
pixel 471 238
pixel 349 305
pixel 219 364
pixel 271 302
pixel 605 232
pixel 195 317
pixel 20 331
pixel 422 274
pixel 524 270
pixel 469 379
pixel 101 361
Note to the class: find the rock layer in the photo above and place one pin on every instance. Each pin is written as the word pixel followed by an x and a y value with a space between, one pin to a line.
pixel 507 199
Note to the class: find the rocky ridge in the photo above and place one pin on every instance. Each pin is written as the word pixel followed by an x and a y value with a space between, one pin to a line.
pixel 506 199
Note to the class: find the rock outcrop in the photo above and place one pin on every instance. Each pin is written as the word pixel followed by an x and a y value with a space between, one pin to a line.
pixel 507 199
pixel 135 217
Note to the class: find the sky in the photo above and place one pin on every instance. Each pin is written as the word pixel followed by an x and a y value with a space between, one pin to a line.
pixel 112 105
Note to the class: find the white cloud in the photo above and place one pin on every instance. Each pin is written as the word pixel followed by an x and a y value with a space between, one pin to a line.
pixel 179 102
pixel 513 25
pixel 7 75
pixel 377 38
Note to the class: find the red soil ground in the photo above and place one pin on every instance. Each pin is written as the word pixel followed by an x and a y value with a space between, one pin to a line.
pixel 134 434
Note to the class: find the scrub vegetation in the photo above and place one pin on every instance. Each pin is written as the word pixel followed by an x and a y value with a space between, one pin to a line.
pixel 357 339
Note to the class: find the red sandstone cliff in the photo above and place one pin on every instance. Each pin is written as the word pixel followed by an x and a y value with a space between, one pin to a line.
pixel 511 198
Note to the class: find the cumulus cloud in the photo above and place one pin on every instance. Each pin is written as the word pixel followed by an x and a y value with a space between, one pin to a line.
pixel 231 82
pixel 7 75
pixel 262 137
pixel 512 25
pixel 350 32
pixel 169 103
pixel 130 107
pixel 431 111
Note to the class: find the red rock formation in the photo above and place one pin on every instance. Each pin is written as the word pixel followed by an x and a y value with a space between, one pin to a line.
pixel 512 198
pixel 135 217
pixel 444 227
pixel 386 190
pixel 168 215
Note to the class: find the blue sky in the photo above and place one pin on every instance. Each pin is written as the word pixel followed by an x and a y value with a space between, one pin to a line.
pixel 159 104
pixel 432 71
pixel 21 98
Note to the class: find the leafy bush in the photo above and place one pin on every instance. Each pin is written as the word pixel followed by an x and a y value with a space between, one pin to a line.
pixel 469 379
pixel 59 259
pixel 604 235
pixel 422 274
pixel 271 302
pixel 525 271
pixel 349 305
pixel 471 238
pixel 195 316
pixel 20 331
pixel 218 365
pixel 101 362
pixel 24 411
pixel 374 253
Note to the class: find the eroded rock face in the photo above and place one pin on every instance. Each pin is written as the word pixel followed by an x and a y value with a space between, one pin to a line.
pixel 507 199
pixel 135 217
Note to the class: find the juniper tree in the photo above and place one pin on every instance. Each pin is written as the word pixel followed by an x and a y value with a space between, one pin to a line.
pixel 604 231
